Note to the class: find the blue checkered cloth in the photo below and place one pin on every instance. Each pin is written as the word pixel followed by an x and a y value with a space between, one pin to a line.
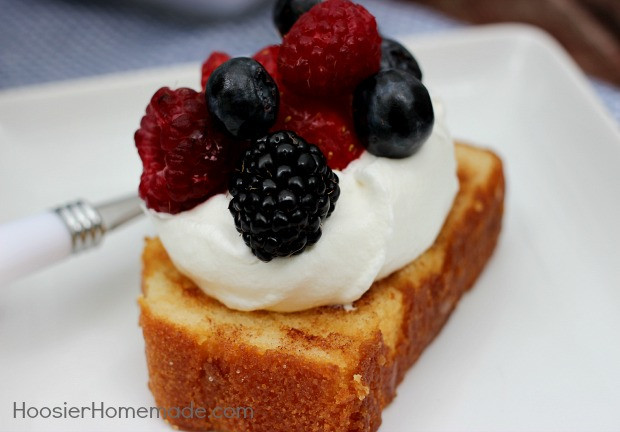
pixel 50 40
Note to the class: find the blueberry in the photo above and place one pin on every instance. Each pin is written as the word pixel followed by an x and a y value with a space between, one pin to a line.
pixel 287 12
pixel 396 56
pixel 243 97
pixel 393 113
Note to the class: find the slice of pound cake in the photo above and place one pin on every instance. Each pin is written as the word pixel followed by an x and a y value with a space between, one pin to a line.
pixel 329 368
pixel 316 225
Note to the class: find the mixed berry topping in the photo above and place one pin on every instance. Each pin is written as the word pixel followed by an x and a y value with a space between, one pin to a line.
pixel 281 193
pixel 287 12
pixel 393 113
pixel 330 49
pixel 185 158
pixel 333 89
pixel 243 97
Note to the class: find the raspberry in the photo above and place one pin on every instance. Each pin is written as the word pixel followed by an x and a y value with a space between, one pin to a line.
pixel 268 57
pixel 282 192
pixel 213 62
pixel 330 49
pixel 327 124
pixel 185 159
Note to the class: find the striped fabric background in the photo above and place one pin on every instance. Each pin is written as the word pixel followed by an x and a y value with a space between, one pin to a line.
pixel 49 40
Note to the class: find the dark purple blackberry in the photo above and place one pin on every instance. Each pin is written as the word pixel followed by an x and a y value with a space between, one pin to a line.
pixel 282 192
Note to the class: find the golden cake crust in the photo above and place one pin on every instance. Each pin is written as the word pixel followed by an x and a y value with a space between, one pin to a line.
pixel 324 369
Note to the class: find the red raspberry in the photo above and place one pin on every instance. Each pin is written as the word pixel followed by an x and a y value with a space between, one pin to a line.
pixel 330 49
pixel 326 123
pixel 213 62
pixel 185 159
pixel 268 57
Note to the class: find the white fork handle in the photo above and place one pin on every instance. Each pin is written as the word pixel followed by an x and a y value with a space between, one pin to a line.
pixel 35 242
pixel 32 243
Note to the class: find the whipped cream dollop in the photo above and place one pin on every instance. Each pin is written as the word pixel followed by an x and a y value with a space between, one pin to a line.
pixel 389 212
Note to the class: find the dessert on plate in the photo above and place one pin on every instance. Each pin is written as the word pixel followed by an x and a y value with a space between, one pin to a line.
pixel 316 227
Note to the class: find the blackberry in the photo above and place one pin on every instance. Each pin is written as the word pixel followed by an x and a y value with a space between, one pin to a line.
pixel 282 192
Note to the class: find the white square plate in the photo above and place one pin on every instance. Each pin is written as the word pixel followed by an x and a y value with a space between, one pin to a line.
pixel 536 344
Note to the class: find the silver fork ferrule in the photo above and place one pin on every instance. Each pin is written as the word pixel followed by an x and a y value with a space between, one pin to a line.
pixel 85 224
